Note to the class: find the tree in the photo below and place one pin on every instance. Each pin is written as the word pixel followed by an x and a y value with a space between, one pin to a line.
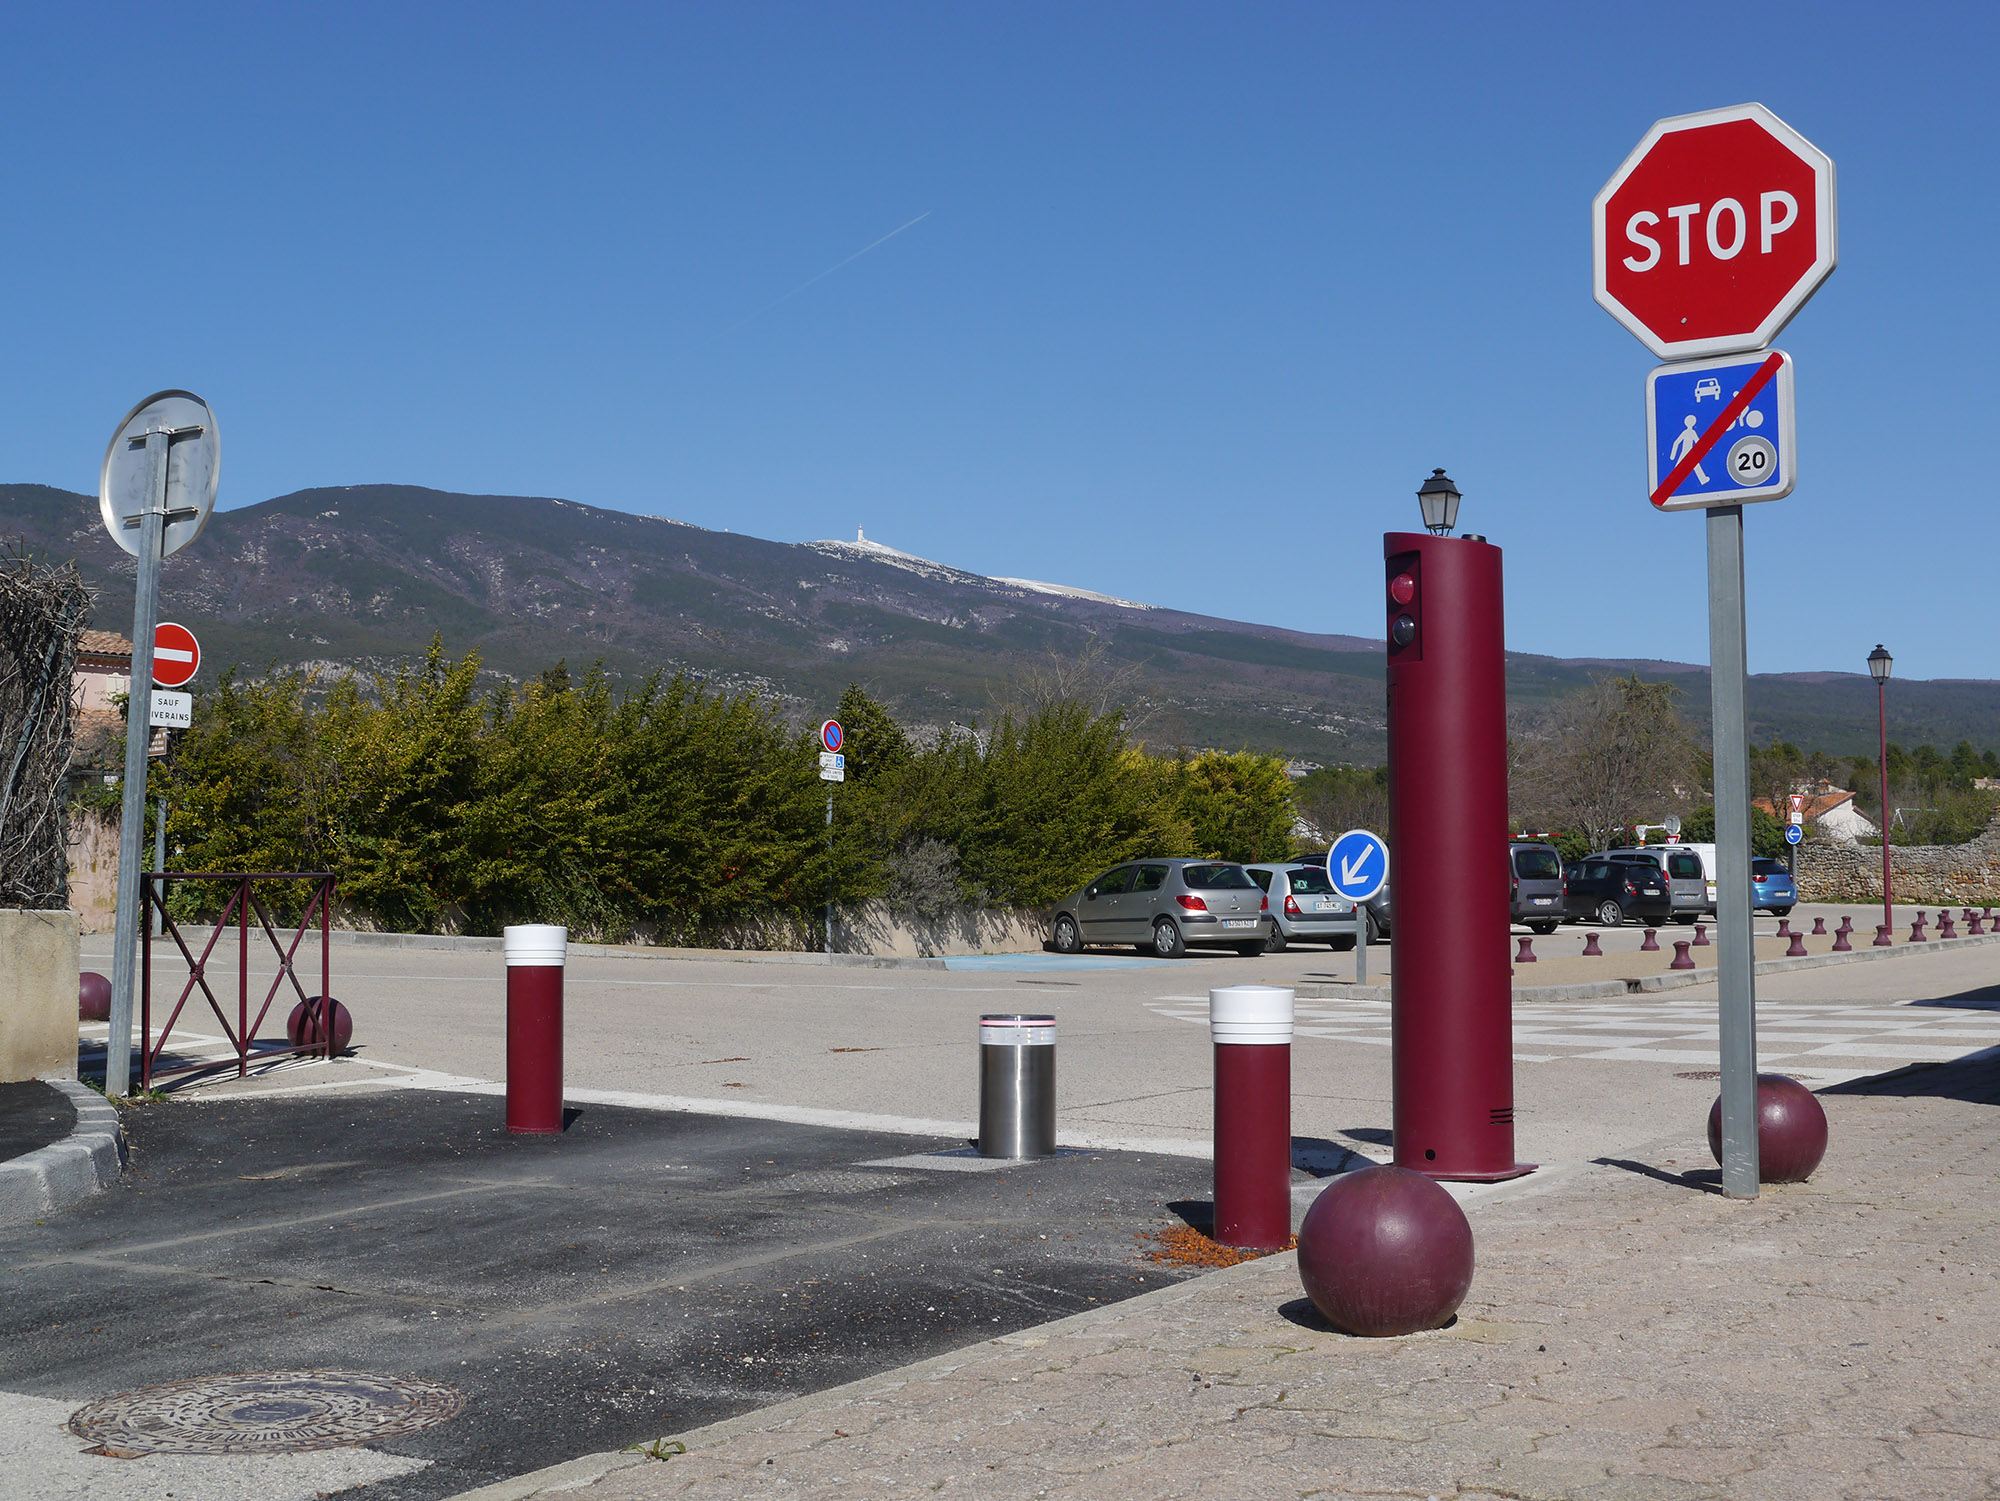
pixel 1333 799
pixel 1238 805
pixel 1608 756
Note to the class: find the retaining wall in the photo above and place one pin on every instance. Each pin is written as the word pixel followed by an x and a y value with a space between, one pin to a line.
pixel 1919 874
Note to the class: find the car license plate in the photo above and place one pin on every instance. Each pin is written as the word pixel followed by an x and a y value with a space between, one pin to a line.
pixel 1328 904
pixel 1239 922
pixel 1544 901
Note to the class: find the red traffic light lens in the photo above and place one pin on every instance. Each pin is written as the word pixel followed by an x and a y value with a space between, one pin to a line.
pixel 1402 588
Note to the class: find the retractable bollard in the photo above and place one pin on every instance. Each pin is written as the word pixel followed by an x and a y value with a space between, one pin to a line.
pixel 1251 1027
pixel 535 956
pixel 1017 1086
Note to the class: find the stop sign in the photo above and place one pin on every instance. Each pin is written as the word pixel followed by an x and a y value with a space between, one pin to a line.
pixel 176 654
pixel 1714 232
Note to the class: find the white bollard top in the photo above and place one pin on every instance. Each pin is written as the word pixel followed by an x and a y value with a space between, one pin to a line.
pixel 1017 1031
pixel 1250 1014
pixel 536 943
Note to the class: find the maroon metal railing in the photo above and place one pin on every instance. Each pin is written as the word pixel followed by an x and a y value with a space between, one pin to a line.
pixel 242 904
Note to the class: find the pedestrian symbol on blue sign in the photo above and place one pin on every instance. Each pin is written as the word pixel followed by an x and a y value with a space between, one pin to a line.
pixel 1358 864
pixel 1793 834
pixel 1720 432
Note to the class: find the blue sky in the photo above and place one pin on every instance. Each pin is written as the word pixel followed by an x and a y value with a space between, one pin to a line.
pixel 1202 293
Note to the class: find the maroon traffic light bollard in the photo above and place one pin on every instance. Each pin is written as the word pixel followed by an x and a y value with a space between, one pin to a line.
pixel 1451 1001
pixel 1791 1130
pixel 1385 1251
pixel 1700 939
pixel 1682 958
pixel 535 956
pixel 1590 948
pixel 1251 1027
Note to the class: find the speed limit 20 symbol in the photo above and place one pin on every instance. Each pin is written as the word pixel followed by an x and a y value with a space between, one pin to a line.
pixel 1752 461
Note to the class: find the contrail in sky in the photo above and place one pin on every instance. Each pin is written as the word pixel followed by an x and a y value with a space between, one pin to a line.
pixel 838 264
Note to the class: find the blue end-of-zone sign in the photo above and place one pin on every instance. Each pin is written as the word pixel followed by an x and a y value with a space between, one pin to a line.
pixel 1358 864
pixel 1752 457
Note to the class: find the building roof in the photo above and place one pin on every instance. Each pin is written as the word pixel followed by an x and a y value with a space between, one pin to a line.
pixel 1817 804
pixel 105 644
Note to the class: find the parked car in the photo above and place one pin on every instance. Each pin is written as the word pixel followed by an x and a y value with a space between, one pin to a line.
pixel 1687 881
pixel 1610 891
pixel 1775 891
pixel 1304 906
pixel 1378 904
pixel 1535 892
pixel 1165 907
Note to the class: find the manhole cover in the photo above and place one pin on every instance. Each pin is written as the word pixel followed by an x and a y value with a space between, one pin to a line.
pixel 835 1181
pixel 264 1412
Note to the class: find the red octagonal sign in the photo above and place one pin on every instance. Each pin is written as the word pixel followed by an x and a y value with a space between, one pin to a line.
pixel 1714 232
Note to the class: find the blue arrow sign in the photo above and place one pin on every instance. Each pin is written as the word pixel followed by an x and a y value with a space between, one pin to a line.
pixel 1793 834
pixel 1358 865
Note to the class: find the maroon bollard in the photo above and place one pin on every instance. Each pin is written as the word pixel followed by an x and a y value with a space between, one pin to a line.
pixel 1385 1251
pixel 1972 926
pixel 1917 929
pixel 1946 927
pixel 1885 936
pixel 1784 927
pixel 93 997
pixel 1791 1130
pixel 306 1026
pixel 1682 958
pixel 1796 949
pixel 1590 948
pixel 1846 923
pixel 1840 943
pixel 1700 939
pixel 1526 953
pixel 1652 943
pixel 535 955
pixel 1819 927
pixel 1251 1027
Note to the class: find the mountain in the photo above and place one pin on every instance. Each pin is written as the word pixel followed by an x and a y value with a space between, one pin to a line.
pixel 363 575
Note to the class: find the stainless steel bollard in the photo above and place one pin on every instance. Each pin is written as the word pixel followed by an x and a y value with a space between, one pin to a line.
pixel 1017 1086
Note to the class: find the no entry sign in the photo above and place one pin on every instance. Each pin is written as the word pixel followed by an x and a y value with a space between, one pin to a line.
pixel 1714 232
pixel 176 655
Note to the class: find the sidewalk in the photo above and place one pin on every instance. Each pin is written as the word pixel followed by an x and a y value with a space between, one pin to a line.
pixel 1630 1336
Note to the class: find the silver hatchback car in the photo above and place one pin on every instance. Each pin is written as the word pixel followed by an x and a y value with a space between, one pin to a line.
pixel 1165 907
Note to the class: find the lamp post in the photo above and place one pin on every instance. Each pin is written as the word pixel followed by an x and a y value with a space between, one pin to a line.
pixel 1879 663
pixel 1439 498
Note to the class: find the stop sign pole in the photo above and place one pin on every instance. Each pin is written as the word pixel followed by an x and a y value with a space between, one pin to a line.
pixel 1706 241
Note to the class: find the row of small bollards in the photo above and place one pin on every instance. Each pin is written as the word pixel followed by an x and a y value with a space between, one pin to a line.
pixel 1796 949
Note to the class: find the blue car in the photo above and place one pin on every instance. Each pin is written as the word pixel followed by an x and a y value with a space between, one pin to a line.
pixel 1775 891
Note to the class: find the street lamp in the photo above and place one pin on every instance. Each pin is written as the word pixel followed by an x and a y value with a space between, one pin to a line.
pixel 1879 663
pixel 1439 498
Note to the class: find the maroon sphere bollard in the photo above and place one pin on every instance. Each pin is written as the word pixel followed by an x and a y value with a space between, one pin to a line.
pixel 1651 945
pixel 1251 1027
pixel 1791 1130
pixel 1784 927
pixel 304 1027
pixel 1796 949
pixel 1840 943
pixel 93 997
pixel 1526 953
pixel 1385 1251
pixel 535 956
pixel 1819 927
pixel 1682 958
pixel 1700 939
pixel 1590 948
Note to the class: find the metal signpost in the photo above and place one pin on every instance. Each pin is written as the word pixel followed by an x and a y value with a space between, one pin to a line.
pixel 832 768
pixel 156 490
pixel 1711 235
pixel 1357 865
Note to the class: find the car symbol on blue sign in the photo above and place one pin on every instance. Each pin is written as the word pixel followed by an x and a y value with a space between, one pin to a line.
pixel 1752 458
pixel 1358 864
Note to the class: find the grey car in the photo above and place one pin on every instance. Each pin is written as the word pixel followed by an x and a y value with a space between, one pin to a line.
pixel 1687 880
pixel 1305 907
pixel 1165 907
pixel 1535 884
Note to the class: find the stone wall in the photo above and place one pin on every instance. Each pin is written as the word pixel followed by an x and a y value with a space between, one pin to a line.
pixel 1920 874
pixel 39 956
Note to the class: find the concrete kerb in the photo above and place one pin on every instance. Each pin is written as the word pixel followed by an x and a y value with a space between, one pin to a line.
pixel 577 1474
pixel 52 1178
pixel 1591 990
pixel 457 943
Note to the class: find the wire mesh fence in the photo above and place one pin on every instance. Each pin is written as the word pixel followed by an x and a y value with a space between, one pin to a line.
pixel 42 615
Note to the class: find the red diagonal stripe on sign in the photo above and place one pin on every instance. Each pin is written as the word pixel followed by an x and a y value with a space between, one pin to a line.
pixel 1723 418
